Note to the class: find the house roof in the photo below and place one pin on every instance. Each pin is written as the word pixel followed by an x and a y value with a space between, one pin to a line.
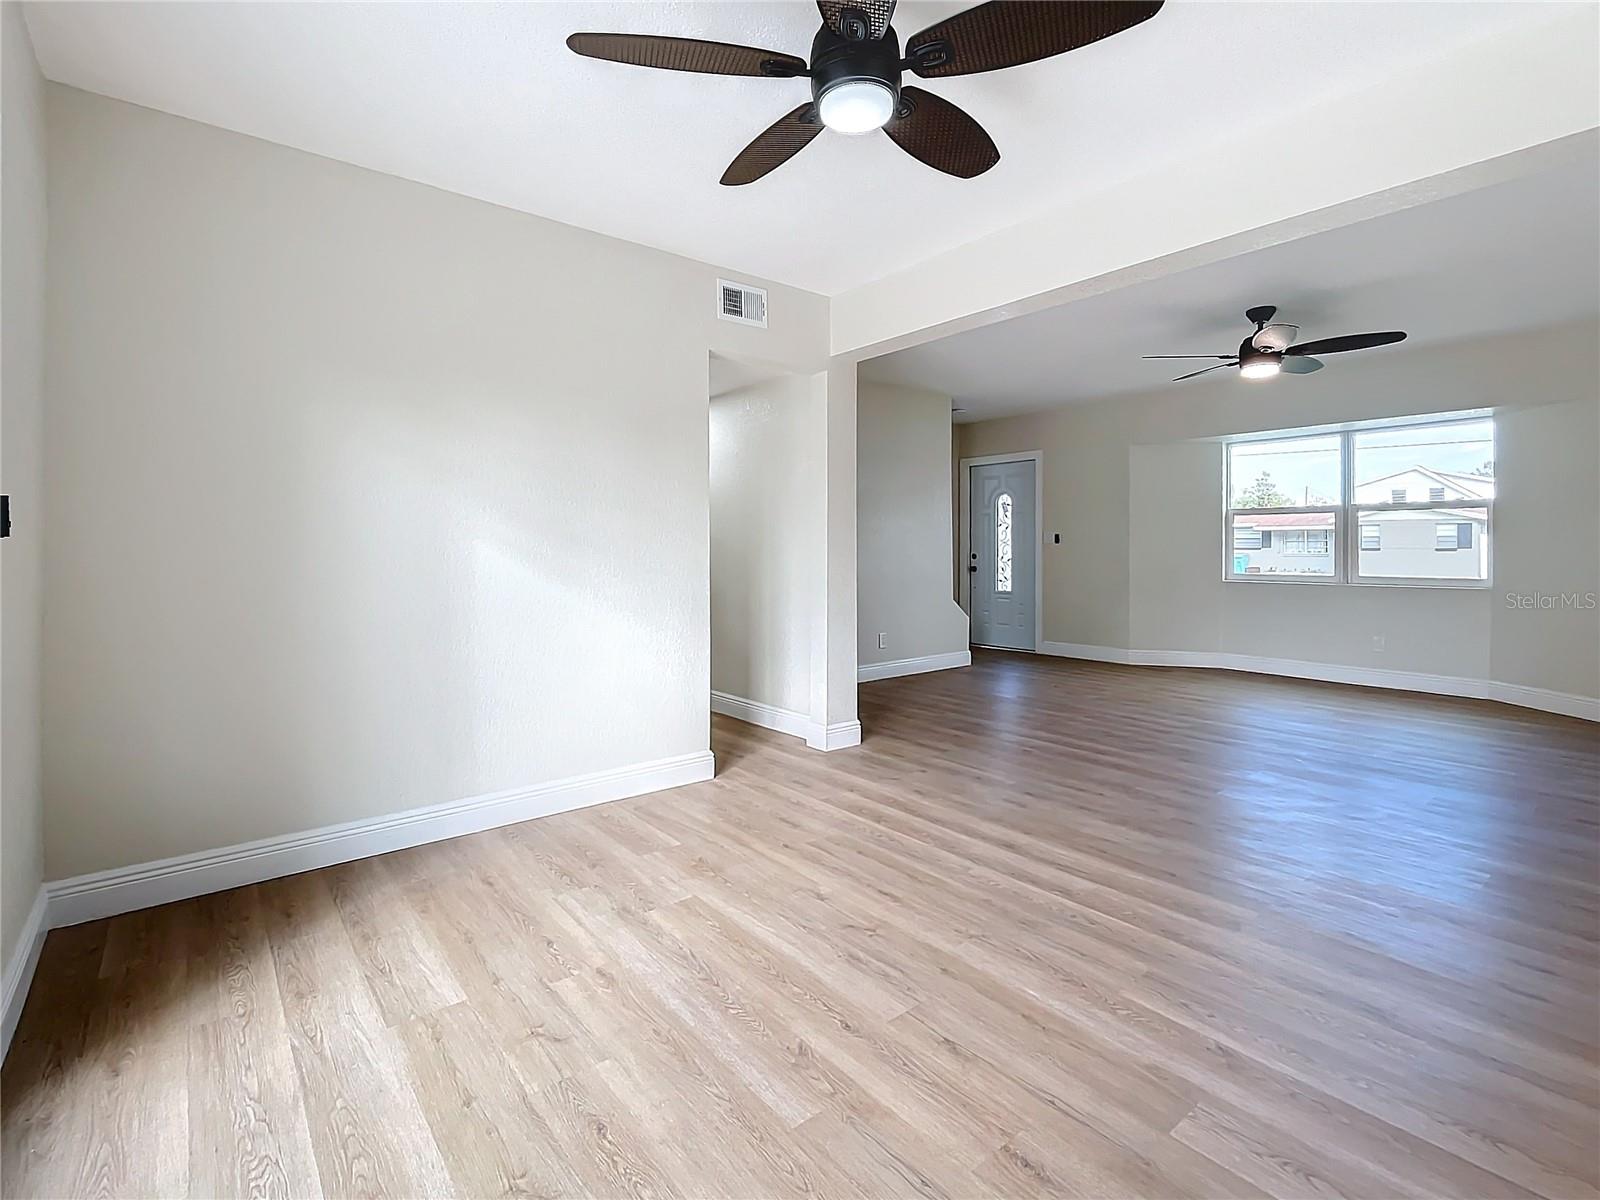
pixel 1480 487
pixel 1286 521
pixel 1470 487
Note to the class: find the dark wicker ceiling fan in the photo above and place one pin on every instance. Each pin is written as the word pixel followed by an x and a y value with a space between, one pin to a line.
pixel 1272 349
pixel 856 65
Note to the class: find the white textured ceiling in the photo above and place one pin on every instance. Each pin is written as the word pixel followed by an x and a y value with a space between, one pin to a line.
pixel 484 99
pixel 1514 256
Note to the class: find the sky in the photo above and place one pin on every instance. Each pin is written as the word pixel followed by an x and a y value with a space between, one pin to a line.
pixel 1307 469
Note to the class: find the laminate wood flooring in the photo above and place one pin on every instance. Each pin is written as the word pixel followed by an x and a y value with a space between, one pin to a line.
pixel 1055 928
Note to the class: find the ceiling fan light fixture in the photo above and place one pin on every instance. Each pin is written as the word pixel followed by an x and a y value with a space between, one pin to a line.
pixel 856 106
pixel 1264 366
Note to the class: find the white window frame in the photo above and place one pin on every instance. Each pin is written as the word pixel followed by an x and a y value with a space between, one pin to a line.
pixel 1347 515
pixel 1228 514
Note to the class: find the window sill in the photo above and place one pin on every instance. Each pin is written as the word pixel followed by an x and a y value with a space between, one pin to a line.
pixel 1436 585
pixel 1280 579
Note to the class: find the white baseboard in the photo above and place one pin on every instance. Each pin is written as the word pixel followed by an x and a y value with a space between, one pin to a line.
pixel 125 889
pixel 913 666
pixel 1563 703
pixel 768 716
pixel 784 720
pixel 19 970
pixel 1109 654
pixel 840 736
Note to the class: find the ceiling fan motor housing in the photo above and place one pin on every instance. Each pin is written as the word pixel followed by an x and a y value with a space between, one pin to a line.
pixel 1249 353
pixel 836 60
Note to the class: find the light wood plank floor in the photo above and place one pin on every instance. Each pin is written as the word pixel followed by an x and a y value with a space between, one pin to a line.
pixel 1055 928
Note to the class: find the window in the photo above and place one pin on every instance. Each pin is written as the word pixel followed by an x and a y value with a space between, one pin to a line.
pixel 1306 541
pixel 1288 473
pixel 1444 539
pixel 1336 507
pixel 1284 503
pixel 1002 543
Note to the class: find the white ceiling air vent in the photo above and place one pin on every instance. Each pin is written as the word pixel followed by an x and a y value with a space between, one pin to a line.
pixel 742 303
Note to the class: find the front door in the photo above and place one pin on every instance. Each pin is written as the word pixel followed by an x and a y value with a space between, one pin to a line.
pixel 1003 545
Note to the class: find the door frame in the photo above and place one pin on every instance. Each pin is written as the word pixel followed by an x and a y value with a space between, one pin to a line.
pixel 1036 457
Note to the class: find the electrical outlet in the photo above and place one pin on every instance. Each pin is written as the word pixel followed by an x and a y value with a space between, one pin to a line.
pixel 883 641
pixel 1377 643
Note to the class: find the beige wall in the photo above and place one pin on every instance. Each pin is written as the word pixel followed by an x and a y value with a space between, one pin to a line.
pixel 903 509
pixel 1137 497
pixel 767 541
pixel 22 219
pixel 364 495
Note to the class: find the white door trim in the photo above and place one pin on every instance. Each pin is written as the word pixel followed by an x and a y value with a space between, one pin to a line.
pixel 964 469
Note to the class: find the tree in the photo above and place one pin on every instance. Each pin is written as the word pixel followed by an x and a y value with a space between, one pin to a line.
pixel 1486 471
pixel 1263 493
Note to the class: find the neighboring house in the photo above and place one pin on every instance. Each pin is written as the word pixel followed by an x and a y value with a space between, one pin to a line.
pixel 1430 543
pixel 1416 484
pixel 1283 544
pixel 1419 543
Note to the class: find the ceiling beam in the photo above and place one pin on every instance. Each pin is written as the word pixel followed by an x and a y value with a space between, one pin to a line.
pixel 1493 110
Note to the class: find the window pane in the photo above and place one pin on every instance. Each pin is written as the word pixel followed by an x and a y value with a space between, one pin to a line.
pixel 1437 463
pixel 1293 473
pixel 1283 545
pixel 1002 543
pixel 1424 543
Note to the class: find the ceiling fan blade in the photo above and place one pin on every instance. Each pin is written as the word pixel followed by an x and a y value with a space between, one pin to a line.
pixel 878 14
pixel 1203 370
pixel 934 131
pixel 1007 33
pixel 1229 357
pixel 774 146
pixel 1350 341
pixel 686 54
pixel 1275 337
pixel 1302 365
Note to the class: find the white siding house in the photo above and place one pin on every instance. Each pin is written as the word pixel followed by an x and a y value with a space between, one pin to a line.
pixel 1431 543
pixel 1284 544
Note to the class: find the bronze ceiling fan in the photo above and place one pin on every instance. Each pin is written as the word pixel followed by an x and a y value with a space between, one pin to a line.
pixel 855 70
pixel 1272 348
